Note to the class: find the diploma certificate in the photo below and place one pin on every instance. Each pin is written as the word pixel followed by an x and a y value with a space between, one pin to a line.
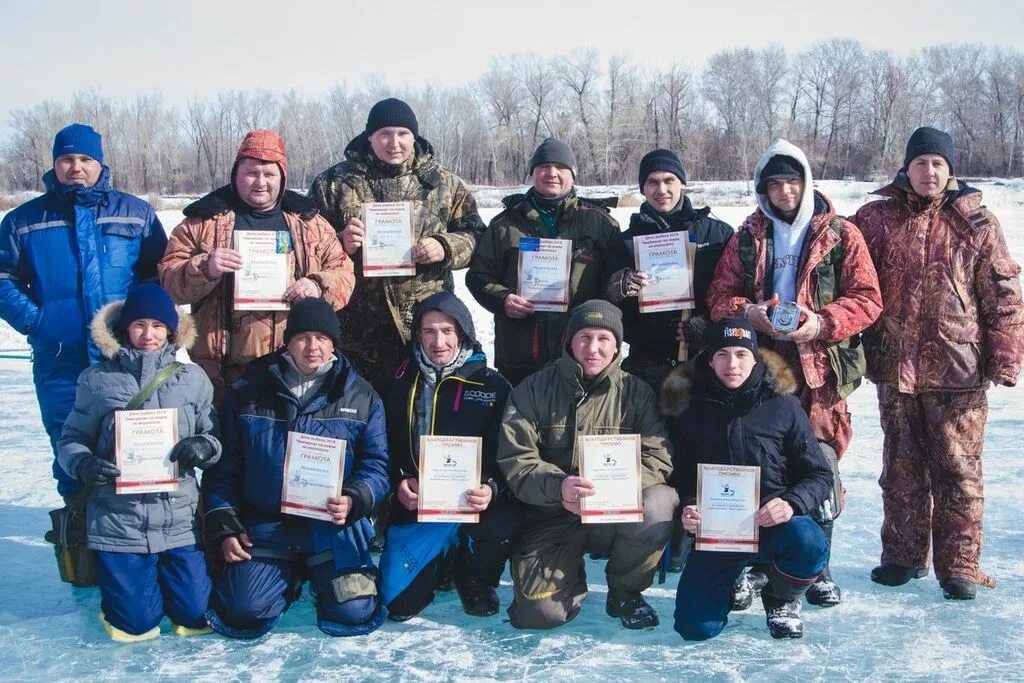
pixel 313 468
pixel 449 466
pixel 612 463
pixel 260 283
pixel 142 441
pixel 665 259
pixel 387 247
pixel 727 499
pixel 544 273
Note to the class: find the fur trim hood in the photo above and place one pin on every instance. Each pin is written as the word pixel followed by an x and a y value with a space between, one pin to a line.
pixel 223 200
pixel 102 330
pixel 677 389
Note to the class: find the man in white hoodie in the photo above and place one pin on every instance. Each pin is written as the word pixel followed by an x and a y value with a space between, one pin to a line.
pixel 794 248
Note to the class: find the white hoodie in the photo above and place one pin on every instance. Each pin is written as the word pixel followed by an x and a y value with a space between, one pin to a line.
pixel 788 238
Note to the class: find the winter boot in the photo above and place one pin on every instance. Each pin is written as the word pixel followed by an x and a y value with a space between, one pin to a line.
pixel 782 599
pixel 896 575
pixel 123 636
pixel 631 609
pixel 478 599
pixel 958 589
pixel 179 630
pixel 742 593
pixel 824 592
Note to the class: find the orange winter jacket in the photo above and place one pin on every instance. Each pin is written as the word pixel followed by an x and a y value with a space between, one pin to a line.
pixel 953 317
pixel 229 339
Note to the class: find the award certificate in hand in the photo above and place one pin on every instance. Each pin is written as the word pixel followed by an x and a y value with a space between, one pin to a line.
pixel 612 463
pixel 544 273
pixel 727 499
pixel 387 247
pixel 142 441
pixel 313 469
pixel 260 283
pixel 665 259
pixel 449 467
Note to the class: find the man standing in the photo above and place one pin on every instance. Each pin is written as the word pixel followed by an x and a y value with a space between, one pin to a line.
pixel 953 323
pixel 794 248
pixel 525 340
pixel 63 256
pixel 584 393
pixel 445 389
pixel 201 259
pixel 390 162
pixel 653 337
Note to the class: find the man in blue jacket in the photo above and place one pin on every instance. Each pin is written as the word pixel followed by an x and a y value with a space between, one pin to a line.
pixel 63 256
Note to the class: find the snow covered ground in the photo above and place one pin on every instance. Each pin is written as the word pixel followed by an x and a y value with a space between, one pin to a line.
pixel 49 631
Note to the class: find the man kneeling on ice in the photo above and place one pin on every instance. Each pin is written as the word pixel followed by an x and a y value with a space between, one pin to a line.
pixel 305 388
pixel 737 408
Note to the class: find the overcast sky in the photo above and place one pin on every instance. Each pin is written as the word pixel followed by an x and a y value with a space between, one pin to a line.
pixel 188 48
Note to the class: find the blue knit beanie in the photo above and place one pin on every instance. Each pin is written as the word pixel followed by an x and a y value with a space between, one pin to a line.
pixel 78 138
pixel 147 301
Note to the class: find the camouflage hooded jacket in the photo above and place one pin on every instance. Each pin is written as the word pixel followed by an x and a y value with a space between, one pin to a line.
pixel 378 320
pixel 953 317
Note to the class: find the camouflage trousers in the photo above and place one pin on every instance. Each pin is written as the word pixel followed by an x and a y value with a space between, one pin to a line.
pixel 931 480
pixel 826 411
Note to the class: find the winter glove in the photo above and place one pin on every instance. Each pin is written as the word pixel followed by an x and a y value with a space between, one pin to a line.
pixel 622 285
pixel 94 471
pixel 695 332
pixel 193 451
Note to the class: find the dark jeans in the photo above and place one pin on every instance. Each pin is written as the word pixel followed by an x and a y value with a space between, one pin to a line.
pixel 797 549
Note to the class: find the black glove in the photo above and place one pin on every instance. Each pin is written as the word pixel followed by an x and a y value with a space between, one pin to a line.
pixel 95 471
pixel 193 451
pixel 622 285
pixel 695 331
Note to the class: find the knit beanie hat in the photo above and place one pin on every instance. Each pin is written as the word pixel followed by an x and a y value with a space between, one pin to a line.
pixel 553 151
pixel 391 112
pixel 595 313
pixel 779 167
pixel 147 300
pixel 661 160
pixel 927 140
pixel 731 332
pixel 78 138
pixel 313 314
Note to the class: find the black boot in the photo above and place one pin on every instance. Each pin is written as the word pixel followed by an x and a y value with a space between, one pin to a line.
pixel 896 575
pixel 958 589
pixel 824 592
pixel 631 609
pixel 478 598
pixel 782 600
pixel 748 586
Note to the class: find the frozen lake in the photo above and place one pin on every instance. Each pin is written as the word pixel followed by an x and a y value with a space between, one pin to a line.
pixel 49 631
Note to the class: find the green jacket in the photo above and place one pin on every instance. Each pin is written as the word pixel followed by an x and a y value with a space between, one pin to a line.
pixel 549 409
pixel 376 326
pixel 523 346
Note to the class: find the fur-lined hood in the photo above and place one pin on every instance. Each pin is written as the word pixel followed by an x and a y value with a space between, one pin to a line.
pixel 677 389
pixel 103 335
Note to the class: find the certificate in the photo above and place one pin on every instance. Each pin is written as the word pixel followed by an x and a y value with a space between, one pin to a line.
pixel 387 247
pixel 142 441
pixel 612 463
pixel 313 468
pixel 544 273
pixel 727 499
pixel 260 283
pixel 665 259
pixel 449 466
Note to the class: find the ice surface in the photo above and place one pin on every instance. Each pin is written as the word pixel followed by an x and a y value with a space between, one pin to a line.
pixel 49 631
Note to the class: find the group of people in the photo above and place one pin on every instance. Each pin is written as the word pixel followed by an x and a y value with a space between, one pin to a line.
pixel 917 291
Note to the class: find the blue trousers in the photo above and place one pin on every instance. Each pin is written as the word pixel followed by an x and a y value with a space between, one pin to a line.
pixel 797 548
pixel 138 589
pixel 251 596
pixel 56 378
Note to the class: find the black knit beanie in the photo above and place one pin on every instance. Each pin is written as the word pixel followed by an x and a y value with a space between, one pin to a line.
pixel 731 332
pixel 313 314
pixel 779 167
pixel 927 140
pixel 660 160
pixel 553 151
pixel 391 112
pixel 595 313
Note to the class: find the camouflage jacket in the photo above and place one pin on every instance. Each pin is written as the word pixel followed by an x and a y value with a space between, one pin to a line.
pixel 525 345
pixel 953 317
pixel 376 326
pixel 831 359
pixel 229 339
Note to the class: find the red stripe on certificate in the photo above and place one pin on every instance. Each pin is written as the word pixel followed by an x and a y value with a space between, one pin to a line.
pixel 401 266
pixel 656 302
pixel 445 512
pixel 300 506
pixel 157 482
pixel 725 541
pixel 242 300
pixel 601 513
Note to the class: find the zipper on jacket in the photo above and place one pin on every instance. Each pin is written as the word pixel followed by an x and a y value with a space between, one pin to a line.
pixel 433 414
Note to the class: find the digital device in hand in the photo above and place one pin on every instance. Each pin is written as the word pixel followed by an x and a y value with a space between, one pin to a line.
pixel 785 317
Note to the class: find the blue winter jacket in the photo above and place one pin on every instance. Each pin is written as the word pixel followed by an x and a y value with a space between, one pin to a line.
pixel 242 492
pixel 67 253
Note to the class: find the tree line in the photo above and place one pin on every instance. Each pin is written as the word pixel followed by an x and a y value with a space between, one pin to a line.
pixel 851 109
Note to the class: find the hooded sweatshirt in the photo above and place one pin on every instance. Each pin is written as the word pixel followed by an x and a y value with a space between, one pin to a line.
pixel 788 235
